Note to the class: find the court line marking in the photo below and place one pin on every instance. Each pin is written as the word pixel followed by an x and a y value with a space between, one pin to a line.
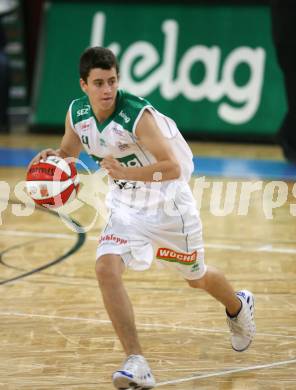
pixel 268 248
pixel 139 324
pixel 176 381
pixel 265 248
pixel 227 372
pixel 80 239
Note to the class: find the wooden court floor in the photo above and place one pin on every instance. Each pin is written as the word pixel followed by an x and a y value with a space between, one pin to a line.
pixel 55 334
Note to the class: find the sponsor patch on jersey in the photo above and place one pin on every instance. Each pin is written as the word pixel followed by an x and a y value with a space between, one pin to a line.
pixel 85 126
pixel 171 255
pixel 83 111
pixel 127 185
pixel 122 146
pixel 130 161
pixel 195 267
pixel 123 115
pixel 118 131
pixel 103 143
pixel 113 238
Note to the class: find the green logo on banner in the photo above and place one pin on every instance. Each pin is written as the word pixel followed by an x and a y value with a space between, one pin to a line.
pixel 212 69
pixel 143 57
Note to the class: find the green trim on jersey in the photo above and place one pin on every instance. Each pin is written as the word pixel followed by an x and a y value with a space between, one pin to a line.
pixel 127 109
pixel 80 110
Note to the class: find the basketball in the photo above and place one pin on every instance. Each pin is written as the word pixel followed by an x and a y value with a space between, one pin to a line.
pixel 52 182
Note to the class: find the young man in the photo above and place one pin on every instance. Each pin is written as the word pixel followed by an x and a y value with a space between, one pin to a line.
pixel 152 210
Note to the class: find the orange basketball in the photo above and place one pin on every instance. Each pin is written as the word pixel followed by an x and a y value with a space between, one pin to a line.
pixel 52 182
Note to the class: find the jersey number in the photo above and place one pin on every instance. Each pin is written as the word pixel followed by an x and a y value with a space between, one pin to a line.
pixel 84 140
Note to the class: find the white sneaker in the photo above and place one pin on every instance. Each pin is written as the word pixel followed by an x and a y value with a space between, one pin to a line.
pixel 242 327
pixel 135 374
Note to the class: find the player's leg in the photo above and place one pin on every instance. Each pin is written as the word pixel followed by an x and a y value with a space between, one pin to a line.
pixel 239 306
pixel 215 283
pixel 135 371
pixel 109 270
pixel 186 240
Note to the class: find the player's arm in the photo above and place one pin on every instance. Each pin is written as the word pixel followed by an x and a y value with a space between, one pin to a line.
pixel 70 145
pixel 150 136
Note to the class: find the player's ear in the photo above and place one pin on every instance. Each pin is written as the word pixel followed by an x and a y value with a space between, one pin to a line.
pixel 83 85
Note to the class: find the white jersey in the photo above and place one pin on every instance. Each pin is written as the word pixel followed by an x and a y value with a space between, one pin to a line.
pixel 116 136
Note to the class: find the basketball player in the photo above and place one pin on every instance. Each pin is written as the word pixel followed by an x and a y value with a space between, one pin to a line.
pixel 152 210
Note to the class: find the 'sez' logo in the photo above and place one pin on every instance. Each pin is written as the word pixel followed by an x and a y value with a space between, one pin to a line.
pixel 83 111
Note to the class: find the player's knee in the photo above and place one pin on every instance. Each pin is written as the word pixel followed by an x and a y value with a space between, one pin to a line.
pixel 105 273
pixel 107 269
pixel 197 283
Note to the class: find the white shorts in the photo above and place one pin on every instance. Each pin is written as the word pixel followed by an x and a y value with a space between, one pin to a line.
pixel 172 235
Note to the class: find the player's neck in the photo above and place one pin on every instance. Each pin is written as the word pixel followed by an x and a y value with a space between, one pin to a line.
pixel 103 115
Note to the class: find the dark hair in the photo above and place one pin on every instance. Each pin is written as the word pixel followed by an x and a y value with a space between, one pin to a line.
pixel 96 57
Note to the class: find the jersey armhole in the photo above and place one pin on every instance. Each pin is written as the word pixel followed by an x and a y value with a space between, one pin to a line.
pixel 70 117
pixel 149 108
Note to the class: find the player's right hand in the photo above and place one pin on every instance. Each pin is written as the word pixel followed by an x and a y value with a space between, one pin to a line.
pixel 43 155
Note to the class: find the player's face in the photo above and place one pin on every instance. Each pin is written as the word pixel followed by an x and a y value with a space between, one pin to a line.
pixel 101 88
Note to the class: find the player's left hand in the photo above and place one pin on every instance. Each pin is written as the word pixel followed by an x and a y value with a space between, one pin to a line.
pixel 113 167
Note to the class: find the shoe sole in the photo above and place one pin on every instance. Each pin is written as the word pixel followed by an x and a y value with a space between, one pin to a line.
pixel 242 350
pixel 135 388
pixel 123 383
